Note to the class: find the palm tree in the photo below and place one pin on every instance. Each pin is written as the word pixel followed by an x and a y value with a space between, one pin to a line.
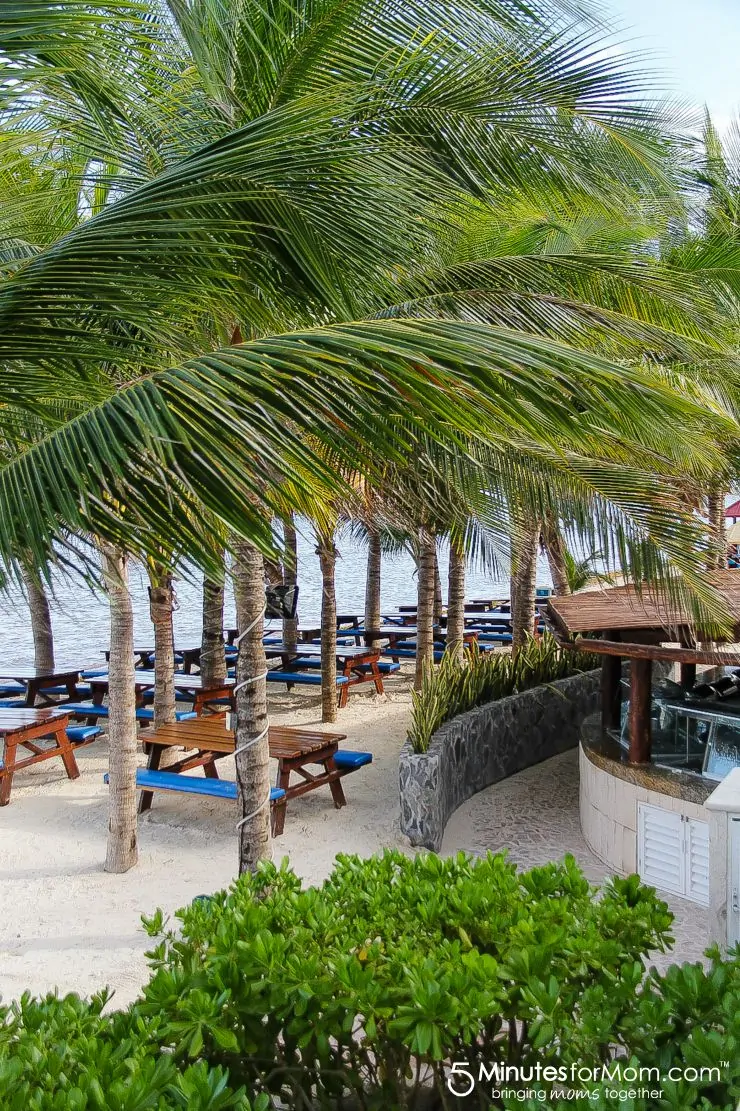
pixel 319 208
pixel 122 852
pixel 251 747
pixel 327 553
pixel 456 597
pixel 40 614
pixel 161 604
pixel 212 656
pixel 551 539
pixel 373 579
pixel 290 577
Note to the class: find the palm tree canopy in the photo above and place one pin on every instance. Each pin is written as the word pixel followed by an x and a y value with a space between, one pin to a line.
pixel 313 164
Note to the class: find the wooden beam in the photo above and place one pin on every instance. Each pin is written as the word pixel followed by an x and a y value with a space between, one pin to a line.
pixel 611 690
pixel 651 652
pixel 639 712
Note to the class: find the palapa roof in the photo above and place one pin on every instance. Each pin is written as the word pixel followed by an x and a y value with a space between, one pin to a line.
pixel 620 607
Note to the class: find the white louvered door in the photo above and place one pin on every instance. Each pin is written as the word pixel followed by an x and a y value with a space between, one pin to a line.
pixel 733 884
pixel 673 853
pixel 660 848
pixel 697 861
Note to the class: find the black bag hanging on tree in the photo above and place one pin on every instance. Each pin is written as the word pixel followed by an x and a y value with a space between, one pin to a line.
pixel 281 601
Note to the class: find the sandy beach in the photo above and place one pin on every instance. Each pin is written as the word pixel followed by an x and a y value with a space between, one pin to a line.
pixel 67 924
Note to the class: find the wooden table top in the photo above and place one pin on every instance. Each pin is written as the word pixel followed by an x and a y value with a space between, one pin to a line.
pixel 23 674
pixel 21 718
pixel 144 678
pixel 210 734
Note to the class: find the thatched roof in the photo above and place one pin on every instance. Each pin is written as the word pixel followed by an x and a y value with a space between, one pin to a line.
pixel 621 608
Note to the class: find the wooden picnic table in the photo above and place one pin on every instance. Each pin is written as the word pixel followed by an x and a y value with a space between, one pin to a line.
pixel 395 633
pixel 305 632
pixel 38 679
pixel 25 727
pixel 207 740
pixel 352 662
pixel 145 680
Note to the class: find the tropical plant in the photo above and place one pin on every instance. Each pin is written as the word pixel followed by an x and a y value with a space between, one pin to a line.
pixel 65 1053
pixel 580 571
pixel 328 158
pixel 396 984
pixel 455 686
pixel 364 991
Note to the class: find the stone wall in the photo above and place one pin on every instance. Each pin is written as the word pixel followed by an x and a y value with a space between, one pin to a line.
pixel 486 745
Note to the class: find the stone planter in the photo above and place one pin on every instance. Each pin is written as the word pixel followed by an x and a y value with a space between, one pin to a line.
pixel 489 744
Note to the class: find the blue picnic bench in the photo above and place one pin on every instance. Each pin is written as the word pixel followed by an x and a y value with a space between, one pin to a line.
pixel 143 713
pixel 207 739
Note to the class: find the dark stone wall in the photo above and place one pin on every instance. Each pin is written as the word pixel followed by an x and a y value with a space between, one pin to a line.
pixel 485 746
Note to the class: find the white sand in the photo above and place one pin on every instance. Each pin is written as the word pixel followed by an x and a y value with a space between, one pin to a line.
pixel 67 924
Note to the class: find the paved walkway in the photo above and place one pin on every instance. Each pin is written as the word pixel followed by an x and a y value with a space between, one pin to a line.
pixel 535 816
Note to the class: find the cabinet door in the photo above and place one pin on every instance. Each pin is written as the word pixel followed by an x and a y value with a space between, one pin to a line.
pixel 733 885
pixel 660 848
pixel 697 861
pixel 673 853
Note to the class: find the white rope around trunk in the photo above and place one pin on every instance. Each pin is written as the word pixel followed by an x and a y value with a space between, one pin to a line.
pixel 261 736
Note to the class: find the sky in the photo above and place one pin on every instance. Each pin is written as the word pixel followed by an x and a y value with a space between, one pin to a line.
pixel 696 43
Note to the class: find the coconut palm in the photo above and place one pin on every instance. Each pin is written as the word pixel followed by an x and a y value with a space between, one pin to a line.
pixel 328 202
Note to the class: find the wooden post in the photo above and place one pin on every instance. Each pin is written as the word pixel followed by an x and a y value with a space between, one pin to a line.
pixel 639 715
pixel 688 675
pixel 611 690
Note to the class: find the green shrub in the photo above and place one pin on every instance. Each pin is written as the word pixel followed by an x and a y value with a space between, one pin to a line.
pixel 376 982
pixel 362 994
pixel 65 1055
pixel 682 1023
pixel 454 687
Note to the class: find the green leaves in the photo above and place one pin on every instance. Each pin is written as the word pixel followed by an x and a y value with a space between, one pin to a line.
pixel 63 1054
pixel 306 409
pixel 406 963
pixel 454 687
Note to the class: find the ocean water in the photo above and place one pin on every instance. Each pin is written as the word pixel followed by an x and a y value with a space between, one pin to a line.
pixel 80 617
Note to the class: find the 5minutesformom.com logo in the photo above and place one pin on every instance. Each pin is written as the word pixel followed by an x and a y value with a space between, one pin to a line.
pixel 463 1078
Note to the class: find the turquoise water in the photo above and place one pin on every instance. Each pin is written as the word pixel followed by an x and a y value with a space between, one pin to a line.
pixel 81 622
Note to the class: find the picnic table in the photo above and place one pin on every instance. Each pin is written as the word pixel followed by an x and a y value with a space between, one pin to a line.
pixel 395 633
pixel 143 657
pixel 24 728
pixel 355 664
pixel 38 679
pixel 305 632
pixel 207 740
pixel 144 681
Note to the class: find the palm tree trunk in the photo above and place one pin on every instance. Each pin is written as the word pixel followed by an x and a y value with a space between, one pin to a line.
pixel 212 657
pixel 252 755
pixel 161 598
pixel 438 599
pixel 524 583
pixel 328 559
pixel 456 600
pixel 290 578
pixel 43 637
pixel 716 514
pixel 552 541
pixel 372 582
pixel 424 605
pixel 122 849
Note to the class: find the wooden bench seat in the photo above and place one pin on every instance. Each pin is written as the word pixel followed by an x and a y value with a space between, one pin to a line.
pixel 143 713
pixel 302 677
pixel 150 780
